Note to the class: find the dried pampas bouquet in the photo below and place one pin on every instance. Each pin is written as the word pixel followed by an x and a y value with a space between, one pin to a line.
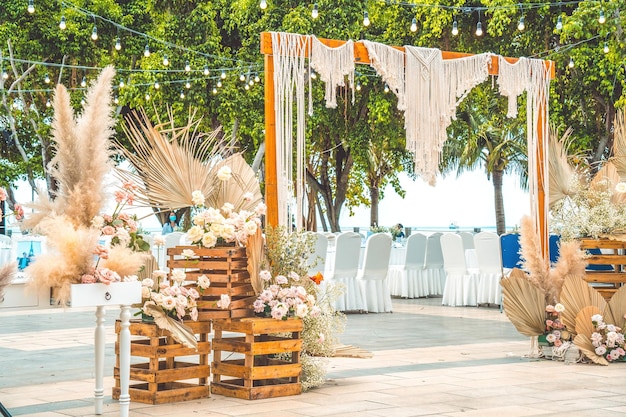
pixel 80 165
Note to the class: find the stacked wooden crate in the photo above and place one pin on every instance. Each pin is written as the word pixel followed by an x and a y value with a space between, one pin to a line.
pixel 268 363
pixel 607 270
pixel 226 268
pixel 166 370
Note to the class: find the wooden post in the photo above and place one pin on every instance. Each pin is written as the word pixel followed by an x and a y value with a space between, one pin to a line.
pixel 271 176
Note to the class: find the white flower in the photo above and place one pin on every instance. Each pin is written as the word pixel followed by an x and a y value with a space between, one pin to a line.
pixel 250 227
pixel 248 196
pixel 159 275
pixel 224 173
pixel 159 240
pixel 122 235
pixel 596 318
pixel 198 220
pixel 188 253
pixel 621 187
pixel 260 209
pixel 209 240
pixel 147 282
pixel 228 208
pixel 559 307
pixel 204 282
pixel 194 234
pixel 197 198
pixel 178 276
pixel 224 301
pixel 302 310
pixel 97 222
pixel 145 292
pixel 168 302
pixel 265 275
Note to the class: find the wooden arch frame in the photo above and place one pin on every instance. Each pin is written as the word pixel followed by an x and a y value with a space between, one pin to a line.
pixel 361 56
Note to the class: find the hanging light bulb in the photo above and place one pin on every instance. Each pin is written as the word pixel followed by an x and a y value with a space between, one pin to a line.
pixel 571 63
pixel 118 44
pixel 146 51
pixel 315 13
pixel 122 84
pixel 559 23
pixel 187 66
pixel 182 94
pixel 257 79
pixel 242 77
pixel 116 100
pixel 31 6
pixel 219 83
pixel 606 48
pixel 46 79
pixel 251 82
pixel 206 70
pixel 214 90
pixel 520 25
pixel 414 25
pixel 147 96
pixel 83 82
pixel 48 104
pixel 94 33
pixel 455 28
pixel 166 61
pixel 386 89
pixel 62 23
pixel 223 76
pixel 263 5
pixel 187 85
pixel 157 85
pixel 358 86
pixel 313 75
pixel 601 18
pixel 5 74
pixel 82 101
pixel 366 19
pixel 479 29
pixel 247 87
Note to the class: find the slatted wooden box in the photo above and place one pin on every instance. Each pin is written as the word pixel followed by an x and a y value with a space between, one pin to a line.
pixel 165 369
pixel 259 373
pixel 606 270
pixel 226 268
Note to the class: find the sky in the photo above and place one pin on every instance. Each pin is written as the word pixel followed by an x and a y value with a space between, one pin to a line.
pixel 466 201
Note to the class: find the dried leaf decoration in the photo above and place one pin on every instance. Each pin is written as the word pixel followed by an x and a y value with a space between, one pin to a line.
pixel 616 308
pixel 584 329
pixel 524 304
pixel 575 296
pixel 181 333
pixel 562 174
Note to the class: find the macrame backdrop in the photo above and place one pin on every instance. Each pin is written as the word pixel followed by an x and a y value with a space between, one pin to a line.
pixel 289 74
pixel 332 65
pixel 532 76
pixel 389 64
pixel 436 87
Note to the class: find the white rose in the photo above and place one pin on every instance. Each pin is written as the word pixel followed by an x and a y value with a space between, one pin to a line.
pixel 197 198
pixel 198 220
pixel 204 282
pixel 224 173
pixel 97 222
pixel 228 232
pixel 147 282
pixel 209 240
pixel 250 227
pixel 195 234
pixel 227 208
pixel 559 307
pixel 145 292
pixel 621 187
pixel 260 209
pixel 178 276
pixel 188 253
pixel 159 275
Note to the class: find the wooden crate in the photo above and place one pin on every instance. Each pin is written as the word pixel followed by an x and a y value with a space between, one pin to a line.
pixel 226 268
pixel 259 374
pixel 165 368
pixel 610 272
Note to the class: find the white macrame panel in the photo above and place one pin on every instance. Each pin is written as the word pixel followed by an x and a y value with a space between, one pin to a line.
pixel 513 80
pixel 332 66
pixel 434 88
pixel 389 64
pixel 289 74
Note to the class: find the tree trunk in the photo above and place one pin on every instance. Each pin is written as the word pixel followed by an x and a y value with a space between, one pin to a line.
pixel 374 195
pixel 498 201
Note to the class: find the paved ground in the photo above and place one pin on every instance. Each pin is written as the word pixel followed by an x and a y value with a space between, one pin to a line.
pixel 428 360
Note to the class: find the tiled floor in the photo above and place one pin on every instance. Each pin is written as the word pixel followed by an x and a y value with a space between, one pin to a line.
pixel 428 360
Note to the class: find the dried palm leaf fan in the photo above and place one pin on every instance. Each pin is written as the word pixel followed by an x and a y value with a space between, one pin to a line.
pixel 171 163
pixel 619 144
pixel 243 181
pixel 255 251
pixel 584 329
pixel 524 304
pixel 562 174
pixel 575 296
pixel 615 309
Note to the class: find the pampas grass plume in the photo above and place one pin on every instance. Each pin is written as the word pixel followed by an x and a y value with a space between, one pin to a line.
pixel 123 261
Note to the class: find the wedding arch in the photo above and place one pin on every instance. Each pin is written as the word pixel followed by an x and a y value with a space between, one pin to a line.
pixel 429 84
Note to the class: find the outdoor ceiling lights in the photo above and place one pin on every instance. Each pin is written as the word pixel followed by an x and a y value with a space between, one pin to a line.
pixel 315 13
pixel 263 5
pixel 571 63
pixel 31 6
pixel 366 19
pixel 601 18
pixel 146 51
pixel 94 33
pixel 62 24
pixel 559 23
pixel 414 25
pixel 606 48
pixel 187 66
pixel 520 25
pixel 118 44
pixel 166 61
pixel 455 28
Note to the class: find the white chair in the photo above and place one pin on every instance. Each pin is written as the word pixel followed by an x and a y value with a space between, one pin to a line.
pixel 468 240
pixel 373 276
pixel 317 259
pixel 489 258
pixel 344 271
pixel 408 279
pixel 435 275
pixel 171 240
pixel 461 285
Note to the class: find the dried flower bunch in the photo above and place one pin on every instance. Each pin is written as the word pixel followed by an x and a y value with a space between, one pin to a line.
pixel 607 339
pixel 176 300
pixel 284 297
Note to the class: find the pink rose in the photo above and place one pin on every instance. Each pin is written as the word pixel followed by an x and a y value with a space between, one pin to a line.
pixel 123 216
pixel 18 211
pixel 88 279
pixel 119 196
pixel 101 251
pixel 106 276
pixel 108 230
pixel 107 218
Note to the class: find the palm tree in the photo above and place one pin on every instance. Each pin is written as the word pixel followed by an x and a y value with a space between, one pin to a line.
pixel 483 137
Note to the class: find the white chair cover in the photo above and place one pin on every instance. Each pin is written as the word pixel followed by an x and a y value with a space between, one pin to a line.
pixel 434 274
pixel 344 271
pixel 489 258
pixel 461 285
pixel 171 240
pixel 468 240
pixel 409 279
pixel 373 276
pixel 317 259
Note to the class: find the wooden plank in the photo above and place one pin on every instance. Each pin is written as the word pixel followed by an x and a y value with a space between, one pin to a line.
pixel 277 371
pixel 231 388
pixel 232 367
pixel 175 393
pixel 601 244
pixel 607 259
pixel 181 371
pixel 277 346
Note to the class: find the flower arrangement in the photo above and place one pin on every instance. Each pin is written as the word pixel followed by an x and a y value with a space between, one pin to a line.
pixel 18 210
pixel 555 332
pixel 284 297
pixel 607 339
pixel 212 226
pixel 172 297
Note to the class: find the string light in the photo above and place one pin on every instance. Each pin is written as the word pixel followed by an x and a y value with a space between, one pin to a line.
pixel 214 90
pixel 83 82
pixel 147 96
pixel 182 94
pixel 257 79
pixel 94 33
pixel 219 83
pixel 5 74
pixel 122 85
pixel 571 63
pixel 48 104
pixel 187 66
pixel 313 75
pixel 223 76
pixel 157 85
pixel 366 19
pixel 455 27
pixel 116 100
pixel 601 18
pixel 358 86
pixel 559 23
pixel 206 70
pixel 386 89
pixel 520 25
pixel 606 48
pixel 62 23
pixel 479 26
pixel 166 61
pixel 146 51
pixel 31 6
pixel 46 79
pixel 82 101
pixel 187 85
pixel 242 77
pixel 315 13
pixel 263 5
pixel 118 44
pixel 247 87
pixel 414 25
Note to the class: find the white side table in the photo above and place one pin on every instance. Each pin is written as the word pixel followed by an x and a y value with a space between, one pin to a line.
pixel 100 296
